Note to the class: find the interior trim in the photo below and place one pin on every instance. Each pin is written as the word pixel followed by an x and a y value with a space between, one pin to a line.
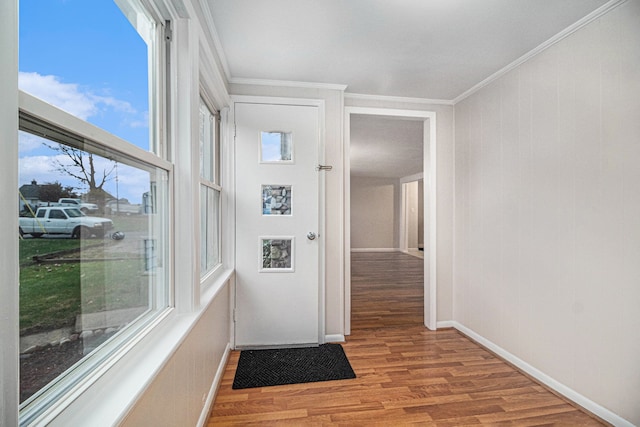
pixel 430 261
pixel 375 249
pixel 542 377
pixel 215 39
pixel 284 83
pixel 213 390
pixel 602 10
pixel 386 98
pixel 334 338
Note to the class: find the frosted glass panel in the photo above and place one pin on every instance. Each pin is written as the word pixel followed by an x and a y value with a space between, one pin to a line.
pixel 276 147
pixel 276 254
pixel 276 200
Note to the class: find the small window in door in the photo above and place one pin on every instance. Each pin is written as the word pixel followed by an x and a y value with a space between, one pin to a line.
pixel 276 200
pixel 277 254
pixel 276 147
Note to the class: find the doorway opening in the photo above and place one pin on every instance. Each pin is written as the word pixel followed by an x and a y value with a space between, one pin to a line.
pixel 426 156
pixel 412 216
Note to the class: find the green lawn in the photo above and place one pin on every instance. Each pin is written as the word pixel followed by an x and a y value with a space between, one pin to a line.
pixel 52 295
pixel 130 222
pixel 31 247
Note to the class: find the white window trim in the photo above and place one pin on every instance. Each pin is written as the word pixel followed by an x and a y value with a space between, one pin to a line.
pixel 79 378
pixel 45 112
pixel 107 401
pixel 9 292
pixel 208 278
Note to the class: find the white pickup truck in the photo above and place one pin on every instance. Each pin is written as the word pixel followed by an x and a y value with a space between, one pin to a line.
pixel 64 220
pixel 77 203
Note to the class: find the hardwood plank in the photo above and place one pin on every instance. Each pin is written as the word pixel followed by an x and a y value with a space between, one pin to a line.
pixel 406 374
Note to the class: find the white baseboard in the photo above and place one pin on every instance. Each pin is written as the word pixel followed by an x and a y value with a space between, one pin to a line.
pixel 446 324
pixel 334 338
pixel 555 385
pixel 375 249
pixel 206 410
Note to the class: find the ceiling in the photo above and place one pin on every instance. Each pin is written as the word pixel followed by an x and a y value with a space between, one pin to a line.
pixel 433 49
pixel 385 147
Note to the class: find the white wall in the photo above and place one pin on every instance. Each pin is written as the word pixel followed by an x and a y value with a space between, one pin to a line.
pixel 547 212
pixel 375 205
pixel 178 394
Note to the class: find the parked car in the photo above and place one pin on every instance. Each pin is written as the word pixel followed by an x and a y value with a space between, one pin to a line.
pixel 77 203
pixel 122 208
pixel 64 220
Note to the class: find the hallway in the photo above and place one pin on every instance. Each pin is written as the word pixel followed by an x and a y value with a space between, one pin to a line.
pixel 386 290
pixel 406 374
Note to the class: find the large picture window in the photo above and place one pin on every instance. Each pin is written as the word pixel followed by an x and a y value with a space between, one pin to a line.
pixel 93 190
pixel 209 190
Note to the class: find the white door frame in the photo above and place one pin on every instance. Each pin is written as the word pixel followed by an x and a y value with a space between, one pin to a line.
pixel 429 164
pixel 321 196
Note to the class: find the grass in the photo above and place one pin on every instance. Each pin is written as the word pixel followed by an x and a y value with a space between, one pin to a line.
pixel 32 247
pixel 52 295
pixel 130 222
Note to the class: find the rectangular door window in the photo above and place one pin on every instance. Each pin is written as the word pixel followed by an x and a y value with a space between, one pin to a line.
pixel 276 147
pixel 277 254
pixel 276 200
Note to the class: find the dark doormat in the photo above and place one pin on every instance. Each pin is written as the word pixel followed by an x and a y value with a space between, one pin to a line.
pixel 263 368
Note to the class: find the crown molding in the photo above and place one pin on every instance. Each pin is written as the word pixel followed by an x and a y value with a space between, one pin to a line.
pixel 215 38
pixel 601 11
pixel 348 95
pixel 285 83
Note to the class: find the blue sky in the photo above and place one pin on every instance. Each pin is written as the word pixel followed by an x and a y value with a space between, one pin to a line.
pixel 85 57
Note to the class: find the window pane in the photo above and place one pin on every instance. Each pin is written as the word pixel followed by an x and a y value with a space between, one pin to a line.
pixel 85 279
pixel 209 228
pixel 276 147
pixel 87 59
pixel 207 143
pixel 276 200
pixel 277 254
pixel 213 208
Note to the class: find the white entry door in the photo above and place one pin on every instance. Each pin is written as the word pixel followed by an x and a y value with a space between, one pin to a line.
pixel 277 282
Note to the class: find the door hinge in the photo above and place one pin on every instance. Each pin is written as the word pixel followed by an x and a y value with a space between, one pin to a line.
pixel 234 315
pixel 324 168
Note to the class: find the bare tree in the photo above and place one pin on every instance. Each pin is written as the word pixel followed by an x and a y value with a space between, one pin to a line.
pixel 83 168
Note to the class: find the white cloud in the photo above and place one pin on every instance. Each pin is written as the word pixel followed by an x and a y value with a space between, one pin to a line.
pixel 28 142
pixel 116 104
pixel 70 97
pixel 132 183
pixel 66 96
pixel 83 104
pixel 41 169
pixel 142 123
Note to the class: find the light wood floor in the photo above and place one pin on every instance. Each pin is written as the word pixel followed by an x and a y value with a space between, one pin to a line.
pixel 406 374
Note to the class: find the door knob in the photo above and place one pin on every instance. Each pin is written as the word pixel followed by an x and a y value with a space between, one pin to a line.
pixel 311 235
